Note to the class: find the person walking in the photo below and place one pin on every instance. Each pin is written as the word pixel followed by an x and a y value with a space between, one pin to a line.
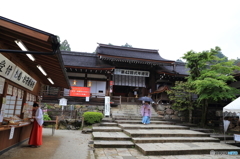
pixel 146 112
pixel 35 139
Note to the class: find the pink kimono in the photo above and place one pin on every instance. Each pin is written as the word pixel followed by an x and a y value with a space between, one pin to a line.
pixel 146 113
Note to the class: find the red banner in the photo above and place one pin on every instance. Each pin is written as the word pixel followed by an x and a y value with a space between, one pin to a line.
pixel 80 91
pixel 111 83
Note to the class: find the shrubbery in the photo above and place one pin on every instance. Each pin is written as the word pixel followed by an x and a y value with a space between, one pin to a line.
pixel 92 117
pixel 46 117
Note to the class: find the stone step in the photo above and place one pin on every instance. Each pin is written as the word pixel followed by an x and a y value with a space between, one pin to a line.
pixel 136 118
pixel 164 133
pixel 106 129
pixel 185 124
pixel 203 130
pixel 140 122
pixel 106 119
pixel 151 126
pixel 184 148
pixel 108 124
pixel 173 139
pixel 221 136
pixel 117 136
pixel 113 144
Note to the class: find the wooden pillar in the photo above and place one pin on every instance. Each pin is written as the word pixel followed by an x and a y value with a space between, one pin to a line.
pixel 152 80
pixel 85 80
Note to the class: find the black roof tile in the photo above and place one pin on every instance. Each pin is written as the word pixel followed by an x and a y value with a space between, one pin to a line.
pixel 120 51
pixel 81 59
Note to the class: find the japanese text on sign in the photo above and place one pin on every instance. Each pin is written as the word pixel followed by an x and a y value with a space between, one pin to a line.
pixel 131 72
pixel 80 91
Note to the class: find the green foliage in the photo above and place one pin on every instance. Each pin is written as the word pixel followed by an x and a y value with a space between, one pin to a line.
pixel 48 106
pixel 92 117
pixel 179 60
pixel 46 117
pixel 64 46
pixel 182 97
pixel 127 45
pixel 209 75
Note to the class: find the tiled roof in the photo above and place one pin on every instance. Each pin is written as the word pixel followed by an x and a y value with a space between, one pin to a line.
pixel 128 52
pixel 80 59
pixel 180 69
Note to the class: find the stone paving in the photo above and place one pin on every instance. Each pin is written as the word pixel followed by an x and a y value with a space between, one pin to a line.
pixel 151 126
pixel 183 148
pixel 160 139
pixel 173 139
pixel 131 153
pixel 105 128
pixel 139 122
pixel 110 136
pixel 164 133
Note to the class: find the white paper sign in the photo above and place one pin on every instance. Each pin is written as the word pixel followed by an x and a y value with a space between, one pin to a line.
pixel 11 132
pixel 107 106
pixel 6 67
pixel 63 101
pixel 2 82
pixel 1 118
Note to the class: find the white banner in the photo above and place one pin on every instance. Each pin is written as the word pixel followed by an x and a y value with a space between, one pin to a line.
pixel 131 72
pixel 6 67
pixel 107 106
pixel 2 82
pixel 10 71
pixel 11 132
pixel 22 78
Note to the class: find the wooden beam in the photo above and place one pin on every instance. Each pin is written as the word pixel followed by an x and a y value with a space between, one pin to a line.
pixel 23 30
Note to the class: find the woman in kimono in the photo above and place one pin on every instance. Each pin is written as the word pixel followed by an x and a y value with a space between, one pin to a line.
pixel 146 112
pixel 35 139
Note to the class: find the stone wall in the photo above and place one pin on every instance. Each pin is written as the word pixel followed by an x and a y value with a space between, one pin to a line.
pixel 70 117
pixel 166 112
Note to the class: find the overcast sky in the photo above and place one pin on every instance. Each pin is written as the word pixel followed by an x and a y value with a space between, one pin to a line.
pixel 171 26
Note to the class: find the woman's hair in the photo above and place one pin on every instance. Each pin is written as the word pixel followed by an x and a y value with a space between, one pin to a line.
pixel 35 104
pixel 147 102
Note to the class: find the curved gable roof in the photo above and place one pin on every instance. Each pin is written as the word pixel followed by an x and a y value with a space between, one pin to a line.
pixel 111 51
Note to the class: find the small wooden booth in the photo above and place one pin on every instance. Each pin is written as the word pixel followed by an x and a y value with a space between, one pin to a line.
pixel 29 59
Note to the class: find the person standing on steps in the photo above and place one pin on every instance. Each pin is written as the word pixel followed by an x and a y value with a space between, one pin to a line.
pixel 146 112
pixel 35 139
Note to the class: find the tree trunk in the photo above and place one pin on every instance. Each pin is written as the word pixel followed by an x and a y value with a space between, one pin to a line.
pixel 204 113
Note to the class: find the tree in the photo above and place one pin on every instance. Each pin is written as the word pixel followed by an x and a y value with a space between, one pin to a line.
pixel 64 46
pixel 183 98
pixel 237 62
pixel 127 45
pixel 179 60
pixel 208 77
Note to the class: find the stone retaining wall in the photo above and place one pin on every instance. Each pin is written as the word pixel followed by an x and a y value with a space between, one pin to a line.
pixel 165 111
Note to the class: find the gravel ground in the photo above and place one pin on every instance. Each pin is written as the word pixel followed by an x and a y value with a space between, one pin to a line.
pixel 64 144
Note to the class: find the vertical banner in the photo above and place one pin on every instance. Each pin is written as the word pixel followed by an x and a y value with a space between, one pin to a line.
pixel 107 106
pixel 2 82
pixel 11 133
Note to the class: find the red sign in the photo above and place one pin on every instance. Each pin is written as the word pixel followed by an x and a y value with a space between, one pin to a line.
pixel 111 83
pixel 80 91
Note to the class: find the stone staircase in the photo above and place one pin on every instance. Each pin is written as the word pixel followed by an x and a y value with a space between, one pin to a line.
pixel 160 137
pixel 130 111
